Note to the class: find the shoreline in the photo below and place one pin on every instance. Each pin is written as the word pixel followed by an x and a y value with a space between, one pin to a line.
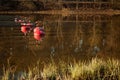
pixel 64 12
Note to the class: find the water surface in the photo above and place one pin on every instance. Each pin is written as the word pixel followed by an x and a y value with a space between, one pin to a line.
pixel 68 37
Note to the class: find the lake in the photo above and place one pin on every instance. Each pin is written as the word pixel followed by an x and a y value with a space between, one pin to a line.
pixel 67 37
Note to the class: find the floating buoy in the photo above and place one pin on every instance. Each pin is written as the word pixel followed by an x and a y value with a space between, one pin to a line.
pixel 25 29
pixel 38 33
pixel 36 30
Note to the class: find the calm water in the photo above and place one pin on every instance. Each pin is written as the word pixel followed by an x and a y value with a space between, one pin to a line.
pixel 67 36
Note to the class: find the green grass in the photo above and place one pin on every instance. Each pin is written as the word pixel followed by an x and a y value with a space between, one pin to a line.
pixel 95 69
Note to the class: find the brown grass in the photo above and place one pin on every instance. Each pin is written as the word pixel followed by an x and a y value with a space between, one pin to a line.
pixel 95 69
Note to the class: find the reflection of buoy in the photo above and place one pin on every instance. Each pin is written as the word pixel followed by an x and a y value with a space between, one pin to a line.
pixel 37 37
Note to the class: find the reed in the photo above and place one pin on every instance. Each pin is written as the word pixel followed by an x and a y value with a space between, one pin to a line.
pixel 95 69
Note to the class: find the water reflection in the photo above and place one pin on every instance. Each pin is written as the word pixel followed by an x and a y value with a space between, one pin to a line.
pixel 52 51
pixel 75 36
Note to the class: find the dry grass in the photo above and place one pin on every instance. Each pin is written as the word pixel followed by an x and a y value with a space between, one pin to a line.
pixel 95 69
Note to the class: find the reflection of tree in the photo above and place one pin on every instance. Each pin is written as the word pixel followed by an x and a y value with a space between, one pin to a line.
pixel 116 25
pixel 5 40
pixel 60 35
pixel 77 39
pixel 13 45
pixel 95 39
pixel 111 37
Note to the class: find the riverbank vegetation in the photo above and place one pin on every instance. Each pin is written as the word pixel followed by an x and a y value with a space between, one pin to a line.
pixel 38 5
pixel 94 69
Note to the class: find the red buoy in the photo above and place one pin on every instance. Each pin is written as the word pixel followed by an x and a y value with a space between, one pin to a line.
pixel 38 33
pixel 25 29
pixel 36 30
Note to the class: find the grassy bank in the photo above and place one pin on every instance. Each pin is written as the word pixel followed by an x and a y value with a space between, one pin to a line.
pixel 95 69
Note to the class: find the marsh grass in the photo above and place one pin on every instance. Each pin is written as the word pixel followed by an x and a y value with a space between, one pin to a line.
pixel 8 71
pixel 95 69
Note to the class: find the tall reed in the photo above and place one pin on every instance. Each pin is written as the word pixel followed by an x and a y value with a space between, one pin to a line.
pixel 95 69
